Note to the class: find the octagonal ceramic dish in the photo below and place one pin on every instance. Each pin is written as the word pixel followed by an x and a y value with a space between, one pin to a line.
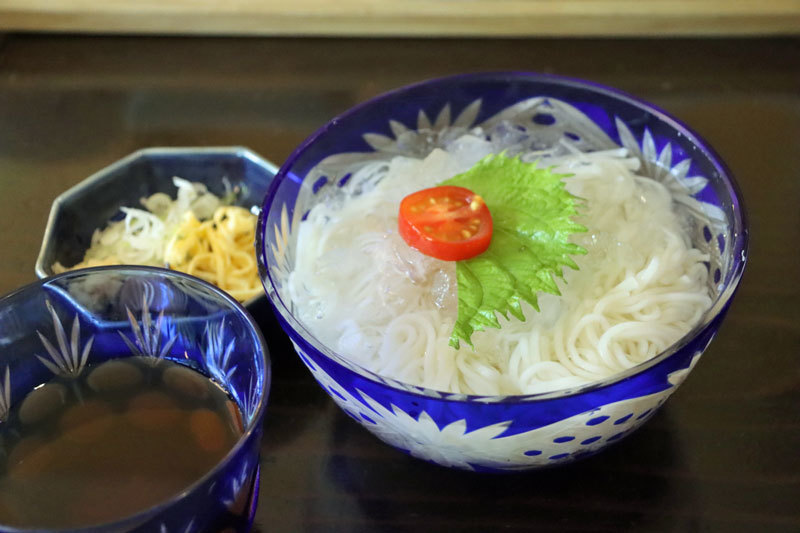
pixel 89 205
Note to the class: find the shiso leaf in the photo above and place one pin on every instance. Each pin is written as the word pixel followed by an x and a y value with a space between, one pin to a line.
pixel 532 219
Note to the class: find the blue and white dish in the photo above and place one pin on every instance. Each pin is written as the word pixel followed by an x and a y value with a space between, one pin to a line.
pixel 505 433
pixel 60 325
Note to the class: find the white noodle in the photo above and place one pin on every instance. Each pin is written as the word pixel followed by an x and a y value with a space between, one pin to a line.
pixel 366 294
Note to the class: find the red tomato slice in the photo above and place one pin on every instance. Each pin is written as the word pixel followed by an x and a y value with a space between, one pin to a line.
pixel 448 223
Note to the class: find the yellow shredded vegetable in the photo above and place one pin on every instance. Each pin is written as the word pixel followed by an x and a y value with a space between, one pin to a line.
pixel 194 234
pixel 219 250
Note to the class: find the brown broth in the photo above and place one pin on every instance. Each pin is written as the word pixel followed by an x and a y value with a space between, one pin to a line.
pixel 123 436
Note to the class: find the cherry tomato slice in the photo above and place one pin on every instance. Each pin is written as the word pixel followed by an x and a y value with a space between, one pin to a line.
pixel 448 223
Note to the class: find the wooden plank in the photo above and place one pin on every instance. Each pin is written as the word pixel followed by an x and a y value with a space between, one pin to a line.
pixel 72 63
pixel 407 18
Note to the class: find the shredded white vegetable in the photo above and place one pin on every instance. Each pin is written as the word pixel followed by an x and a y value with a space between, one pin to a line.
pixel 170 233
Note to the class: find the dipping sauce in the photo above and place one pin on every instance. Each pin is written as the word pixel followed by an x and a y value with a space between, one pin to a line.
pixel 123 436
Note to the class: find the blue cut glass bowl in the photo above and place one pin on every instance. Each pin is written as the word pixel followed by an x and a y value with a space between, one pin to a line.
pixel 92 315
pixel 506 433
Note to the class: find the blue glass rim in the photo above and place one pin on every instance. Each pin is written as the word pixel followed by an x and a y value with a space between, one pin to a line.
pixel 739 233
pixel 245 437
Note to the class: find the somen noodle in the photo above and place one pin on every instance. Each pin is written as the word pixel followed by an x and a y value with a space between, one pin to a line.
pixel 363 292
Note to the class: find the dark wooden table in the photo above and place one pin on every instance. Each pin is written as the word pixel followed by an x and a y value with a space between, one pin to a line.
pixel 722 455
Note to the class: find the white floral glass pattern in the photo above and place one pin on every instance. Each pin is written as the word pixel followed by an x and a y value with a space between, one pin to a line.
pixel 68 358
pixel 147 336
pixel 453 445
pixel 216 354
